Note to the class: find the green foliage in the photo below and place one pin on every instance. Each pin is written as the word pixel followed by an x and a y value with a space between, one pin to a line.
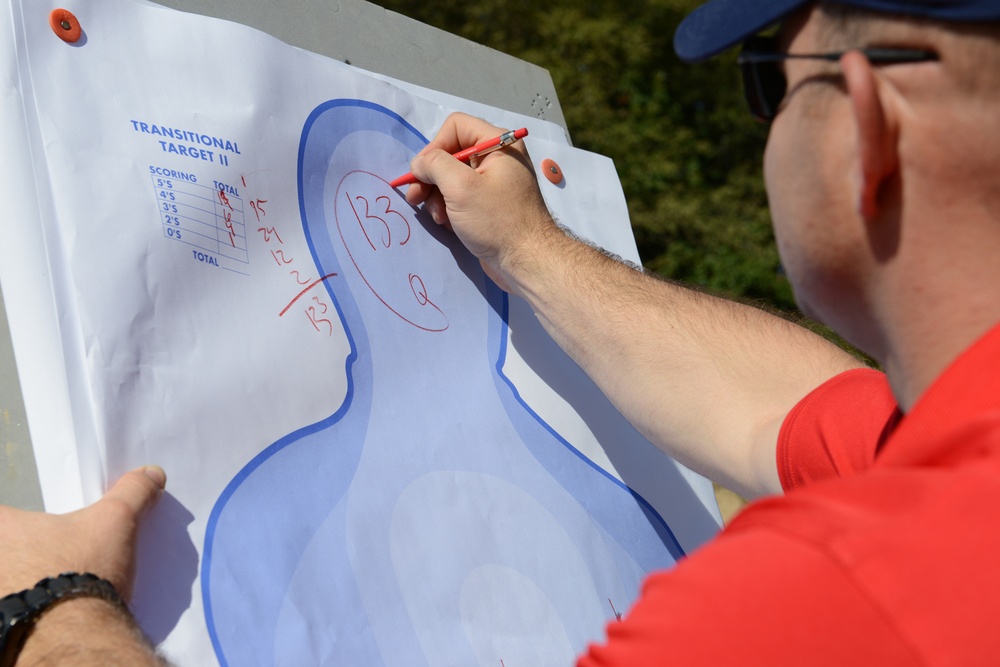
pixel 686 150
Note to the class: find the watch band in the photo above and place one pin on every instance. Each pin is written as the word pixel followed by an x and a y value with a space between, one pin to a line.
pixel 19 611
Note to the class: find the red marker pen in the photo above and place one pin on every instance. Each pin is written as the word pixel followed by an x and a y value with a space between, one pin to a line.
pixel 505 139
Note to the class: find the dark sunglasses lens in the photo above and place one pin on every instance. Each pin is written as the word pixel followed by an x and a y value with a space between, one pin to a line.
pixel 765 87
pixel 763 82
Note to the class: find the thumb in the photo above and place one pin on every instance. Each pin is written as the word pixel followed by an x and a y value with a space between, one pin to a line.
pixel 139 489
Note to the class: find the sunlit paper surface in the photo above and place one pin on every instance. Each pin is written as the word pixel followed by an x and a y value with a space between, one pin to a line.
pixel 374 456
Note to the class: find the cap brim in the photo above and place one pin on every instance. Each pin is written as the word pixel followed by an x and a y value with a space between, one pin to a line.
pixel 720 24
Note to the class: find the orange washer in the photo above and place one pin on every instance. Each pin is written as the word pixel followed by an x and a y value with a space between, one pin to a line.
pixel 65 25
pixel 552 171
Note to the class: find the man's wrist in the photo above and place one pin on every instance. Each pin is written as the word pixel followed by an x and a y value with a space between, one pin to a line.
pixel 532 257
pixel 87 631
pixel 20 611
pixel 74 618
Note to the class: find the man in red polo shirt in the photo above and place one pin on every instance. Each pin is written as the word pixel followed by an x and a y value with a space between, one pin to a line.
pixel 880 169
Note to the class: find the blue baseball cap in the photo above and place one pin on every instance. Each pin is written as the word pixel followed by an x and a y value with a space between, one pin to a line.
pixel 720 24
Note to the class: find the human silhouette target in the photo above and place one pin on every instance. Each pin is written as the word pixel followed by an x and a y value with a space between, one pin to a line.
pixel 433 518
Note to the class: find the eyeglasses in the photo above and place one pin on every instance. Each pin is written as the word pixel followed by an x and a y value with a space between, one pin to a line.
pixel 764 82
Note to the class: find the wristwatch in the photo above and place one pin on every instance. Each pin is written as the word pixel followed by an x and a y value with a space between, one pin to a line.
pixel 19 611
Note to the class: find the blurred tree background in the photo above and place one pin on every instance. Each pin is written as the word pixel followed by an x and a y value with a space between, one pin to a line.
pixel 687 152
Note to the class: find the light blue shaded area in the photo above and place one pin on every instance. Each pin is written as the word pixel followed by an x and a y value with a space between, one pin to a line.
pixel 367 538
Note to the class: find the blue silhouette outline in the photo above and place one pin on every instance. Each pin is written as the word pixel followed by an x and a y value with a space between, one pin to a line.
pixel 257 589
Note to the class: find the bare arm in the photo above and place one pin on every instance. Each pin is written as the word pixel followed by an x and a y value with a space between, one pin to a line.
pixel 99 539
pixel 87 632
pixel 707 380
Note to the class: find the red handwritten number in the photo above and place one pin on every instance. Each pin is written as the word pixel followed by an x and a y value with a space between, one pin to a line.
pixel 315 313
pixel 360 223
pixel 321 304
pixel 399 215
pixel 229 226
pixel 387 238
pixel 316 319
pixel 225 200
pixel 257 208
pixel 268 232
pixel 281 253
pixel 302 293
pixel 298 277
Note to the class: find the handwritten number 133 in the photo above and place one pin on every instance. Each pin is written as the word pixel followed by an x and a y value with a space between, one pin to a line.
pixel 368 215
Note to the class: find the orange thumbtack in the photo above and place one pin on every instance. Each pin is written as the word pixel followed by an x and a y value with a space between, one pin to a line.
pixel 552 171
pixel 65 25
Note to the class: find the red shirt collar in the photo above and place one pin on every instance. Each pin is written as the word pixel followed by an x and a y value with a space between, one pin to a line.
pixel 966 391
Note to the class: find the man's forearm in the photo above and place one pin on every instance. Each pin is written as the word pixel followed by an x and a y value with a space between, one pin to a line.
pixel 87 632
pixel 707 380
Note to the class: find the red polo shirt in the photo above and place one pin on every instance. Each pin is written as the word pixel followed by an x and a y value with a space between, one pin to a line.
pixel 883 550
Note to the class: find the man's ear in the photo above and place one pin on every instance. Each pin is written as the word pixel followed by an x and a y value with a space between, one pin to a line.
pixel 877 127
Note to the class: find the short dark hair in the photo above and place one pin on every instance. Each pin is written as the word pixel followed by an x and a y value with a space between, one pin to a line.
pixel 970 50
